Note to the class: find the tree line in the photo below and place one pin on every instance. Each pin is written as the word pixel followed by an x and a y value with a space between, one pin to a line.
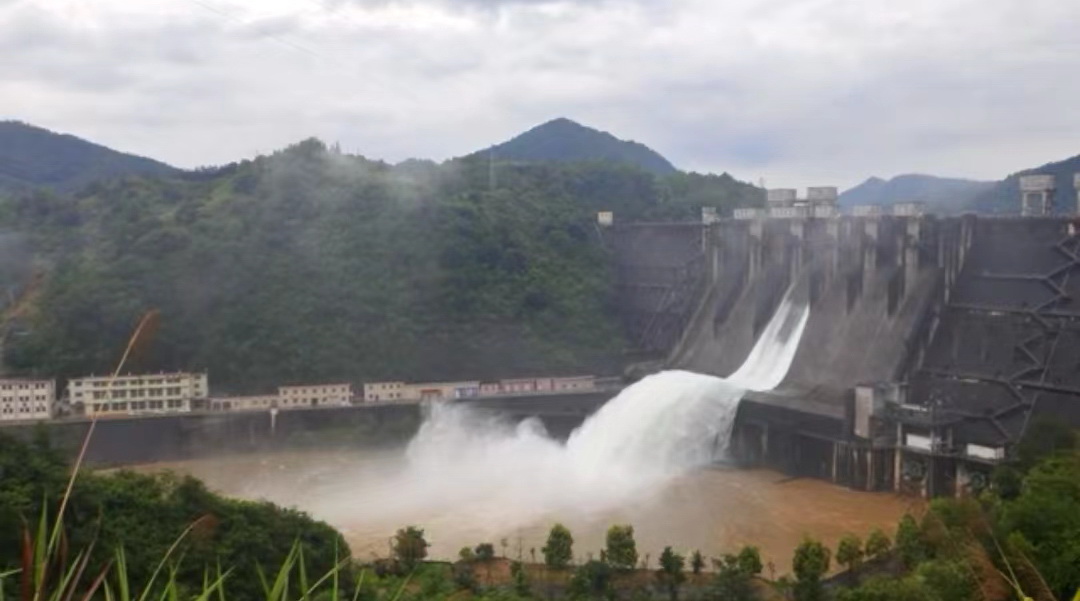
pixel 309 265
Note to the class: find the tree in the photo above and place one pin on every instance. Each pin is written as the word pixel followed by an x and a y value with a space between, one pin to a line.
pixel 521 580
pixel 485 552
pixel 909 543
pixel 1045 524
pixel 559 550
pixel 466 555
pixel 621 548
pixel 697 562
pixel 850 552
pixel 877 544
pixel 1043 438
pixel 731 582
pixel 671 571
pixel 750 560
pixel 410 547
pixel 951 580
pixel 593 578
pixel 810 563
pixel 882 588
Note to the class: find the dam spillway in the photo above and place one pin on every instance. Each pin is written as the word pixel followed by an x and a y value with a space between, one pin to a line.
pixel 932 345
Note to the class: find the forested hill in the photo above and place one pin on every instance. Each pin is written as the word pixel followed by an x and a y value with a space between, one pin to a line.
pixel 564 140
pixel 940 193
pixel 34 157
pixel 1004 196
pixel 309 265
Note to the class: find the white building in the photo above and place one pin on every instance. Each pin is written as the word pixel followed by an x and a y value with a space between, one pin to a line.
pixel 314 395
pixel 381 392
pixel 146 393
pixel 244 403
pixel 26 399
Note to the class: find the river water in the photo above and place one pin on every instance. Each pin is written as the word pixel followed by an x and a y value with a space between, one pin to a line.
pixel 647 458
pixel 715 510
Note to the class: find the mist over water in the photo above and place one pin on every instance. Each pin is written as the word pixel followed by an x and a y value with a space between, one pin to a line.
pixel 464 465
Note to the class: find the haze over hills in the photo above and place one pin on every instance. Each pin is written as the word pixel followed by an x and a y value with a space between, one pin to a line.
pixel 567 141
pixel 939 192
pixel 313 265
pixel 1004 196
pixel 32 157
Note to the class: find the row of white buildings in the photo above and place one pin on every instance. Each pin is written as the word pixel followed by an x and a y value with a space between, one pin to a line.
pixel 178 392
pixel 184 392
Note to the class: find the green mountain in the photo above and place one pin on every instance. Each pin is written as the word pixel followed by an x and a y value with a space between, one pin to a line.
pixel 309 265
pixel 939 192
pixel 564 140
pixel 33 157
pixel 1004 196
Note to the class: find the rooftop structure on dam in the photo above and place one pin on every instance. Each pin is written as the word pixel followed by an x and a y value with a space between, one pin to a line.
pixel 932 344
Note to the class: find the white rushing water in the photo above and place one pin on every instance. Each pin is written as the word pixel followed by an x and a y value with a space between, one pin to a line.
pixel 467 466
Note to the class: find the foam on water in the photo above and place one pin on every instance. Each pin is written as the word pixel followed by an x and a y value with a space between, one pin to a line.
pixel 464 465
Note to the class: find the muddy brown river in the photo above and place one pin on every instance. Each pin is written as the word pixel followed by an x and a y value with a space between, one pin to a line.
pixel 715 510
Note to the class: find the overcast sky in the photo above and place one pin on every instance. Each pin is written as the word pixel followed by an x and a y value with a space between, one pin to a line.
pixel 798 92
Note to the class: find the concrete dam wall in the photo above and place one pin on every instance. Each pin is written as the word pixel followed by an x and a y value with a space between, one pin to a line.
pixel 702 295
pixel 932 344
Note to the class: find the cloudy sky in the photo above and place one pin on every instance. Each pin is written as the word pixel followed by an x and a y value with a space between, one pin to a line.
pixel 797 92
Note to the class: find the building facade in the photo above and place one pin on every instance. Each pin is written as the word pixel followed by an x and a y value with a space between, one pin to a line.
pixel 244 403
pixel 382 392
pixel 178 392
pixel 26 399
pixel 315 395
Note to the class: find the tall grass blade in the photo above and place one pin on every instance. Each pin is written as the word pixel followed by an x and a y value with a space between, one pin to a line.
pixel 404 584
pixel 303 571
pixel 26 588
pixel 122 581
pixel 263 582
pixel 221 589
pixel 94 586
pixel 359 585
pixel 216 587
pixel 145 324
pixel 334 586
pixel 40 562
pixel 69 578
pixel 82 560
pixel 330 574
pixel 280 589
pixel 164 560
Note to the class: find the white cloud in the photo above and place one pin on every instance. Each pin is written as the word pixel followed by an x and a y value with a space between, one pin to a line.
pixel 796 91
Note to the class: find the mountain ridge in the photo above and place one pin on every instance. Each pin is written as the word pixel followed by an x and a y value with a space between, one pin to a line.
pixel 939 192
pixel 565 140
pixel 35 157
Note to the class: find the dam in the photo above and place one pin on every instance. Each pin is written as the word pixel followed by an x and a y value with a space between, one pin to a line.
pixel 932 343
